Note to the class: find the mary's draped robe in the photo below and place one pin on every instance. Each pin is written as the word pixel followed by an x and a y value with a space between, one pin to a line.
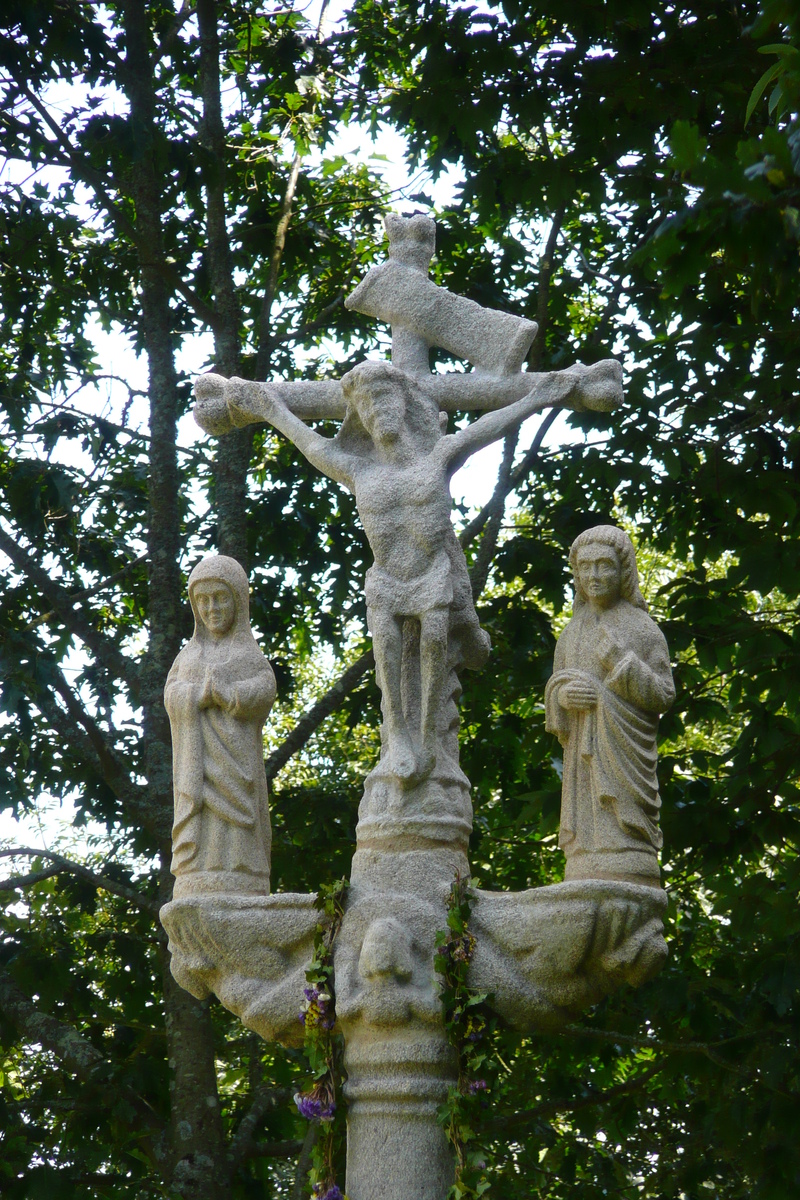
pixel 610 801
pixel 221 837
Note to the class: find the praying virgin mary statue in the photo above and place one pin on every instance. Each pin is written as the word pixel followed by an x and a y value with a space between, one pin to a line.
pixel 611 681
pixel 218 695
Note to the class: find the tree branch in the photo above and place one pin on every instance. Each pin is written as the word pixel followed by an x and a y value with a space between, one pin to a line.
pixel 87 593
pixel 171 36
pixel 287 1149
pixel 308 327
pixel 648 1043
pixel 71 726
pixel 313 718
pixel 552 1107
pixel 212 139
pixel 265 343
pixel 73 1050
pixel 707 1049
pixel 21 881
pixel 499 496
pixel 543 289
pixel 114 769
pixel 234 451
pixel 70 1047
pixel 94 180
pixel 63 865
pixel 304 1162
pixel 483 560
pixel 104 650
pixel 265 1100
pixel 492 514
pixel 265 316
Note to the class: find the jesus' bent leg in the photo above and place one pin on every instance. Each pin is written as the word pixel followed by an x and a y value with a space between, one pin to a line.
pixel 434 628
pixel 387 642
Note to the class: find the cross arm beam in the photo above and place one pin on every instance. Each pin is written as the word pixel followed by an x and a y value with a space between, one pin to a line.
pixel 223 405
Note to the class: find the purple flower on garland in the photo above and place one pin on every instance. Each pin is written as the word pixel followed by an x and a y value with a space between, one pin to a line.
pixel 315 1012
pixel 477 1085
pixel 330 1193
pixel 316 1105
pixel 463 948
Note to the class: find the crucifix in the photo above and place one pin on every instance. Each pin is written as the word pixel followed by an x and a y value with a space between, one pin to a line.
pixel 393 453
pixel 542 954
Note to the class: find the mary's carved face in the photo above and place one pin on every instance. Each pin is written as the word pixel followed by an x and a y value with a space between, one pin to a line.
pixel 216 605
pixel 599 574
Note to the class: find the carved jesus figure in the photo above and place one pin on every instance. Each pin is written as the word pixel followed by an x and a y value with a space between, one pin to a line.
pixel 391 452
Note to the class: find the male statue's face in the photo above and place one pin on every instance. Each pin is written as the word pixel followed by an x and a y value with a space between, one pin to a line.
pixel 383 411
pixel 216 606
pixel 599 575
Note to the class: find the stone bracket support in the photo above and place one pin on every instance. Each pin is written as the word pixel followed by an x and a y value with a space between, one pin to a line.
pixel 546 954
pixel 252 952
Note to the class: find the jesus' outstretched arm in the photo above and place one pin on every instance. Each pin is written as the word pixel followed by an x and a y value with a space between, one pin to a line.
pixel 597 387
pixel 236 397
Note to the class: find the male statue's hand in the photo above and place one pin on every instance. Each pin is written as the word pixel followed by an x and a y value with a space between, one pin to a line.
pixel 578 695
pixel 226 404
pixel 599 388
pixel 211 410
pixel 609 650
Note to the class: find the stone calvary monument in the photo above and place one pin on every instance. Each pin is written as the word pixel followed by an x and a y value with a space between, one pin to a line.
pixel 543 954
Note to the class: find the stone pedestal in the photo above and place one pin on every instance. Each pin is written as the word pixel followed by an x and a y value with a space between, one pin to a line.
pixel 544 955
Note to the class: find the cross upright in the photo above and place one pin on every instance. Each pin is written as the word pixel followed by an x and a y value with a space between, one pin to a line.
pixel 542 954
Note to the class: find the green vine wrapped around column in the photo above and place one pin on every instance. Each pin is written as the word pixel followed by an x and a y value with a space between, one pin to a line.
pixel 470 1026
pixel 323 1047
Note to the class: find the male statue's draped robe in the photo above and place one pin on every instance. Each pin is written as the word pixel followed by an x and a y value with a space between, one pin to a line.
pixel 610 802
pixel 222 826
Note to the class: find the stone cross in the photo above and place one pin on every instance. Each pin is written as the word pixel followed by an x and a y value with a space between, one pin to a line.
pixel 542 954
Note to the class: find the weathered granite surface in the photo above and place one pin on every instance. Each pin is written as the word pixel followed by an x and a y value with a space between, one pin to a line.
pixel 218 695
pixel 251 951
pixel 611 681
pixel 543 954
pixel 550 952
pixel 392 453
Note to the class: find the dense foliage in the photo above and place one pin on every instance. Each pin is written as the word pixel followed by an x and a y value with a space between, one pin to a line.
pixel 171 173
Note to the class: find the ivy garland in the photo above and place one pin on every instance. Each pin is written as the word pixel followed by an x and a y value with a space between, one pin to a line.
pixel 323 1047
pixel 470 1025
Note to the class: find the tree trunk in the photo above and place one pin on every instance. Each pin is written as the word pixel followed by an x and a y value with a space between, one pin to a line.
pixel 198 1162
pixel 197 1165
pixel 232 459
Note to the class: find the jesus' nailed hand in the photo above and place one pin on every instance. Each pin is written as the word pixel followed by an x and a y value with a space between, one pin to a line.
pixel 392 453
